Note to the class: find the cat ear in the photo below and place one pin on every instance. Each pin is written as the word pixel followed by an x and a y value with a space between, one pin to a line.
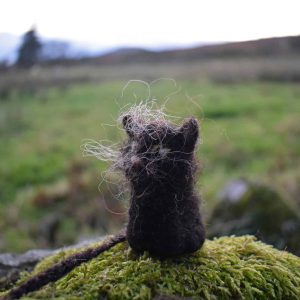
pixel 190 131
pixel 127 124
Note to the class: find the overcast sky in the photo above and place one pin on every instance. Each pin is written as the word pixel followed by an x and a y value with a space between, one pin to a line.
pixel 151 23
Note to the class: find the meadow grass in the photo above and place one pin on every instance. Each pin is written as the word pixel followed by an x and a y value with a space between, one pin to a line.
pixel 247 130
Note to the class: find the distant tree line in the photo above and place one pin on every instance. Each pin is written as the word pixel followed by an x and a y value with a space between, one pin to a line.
pixel 32 51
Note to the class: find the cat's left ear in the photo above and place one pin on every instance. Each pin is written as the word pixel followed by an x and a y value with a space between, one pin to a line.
pixel 128 124
pixel 190 131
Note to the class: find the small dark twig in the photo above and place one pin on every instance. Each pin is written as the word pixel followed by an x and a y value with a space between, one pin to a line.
pixel 62 268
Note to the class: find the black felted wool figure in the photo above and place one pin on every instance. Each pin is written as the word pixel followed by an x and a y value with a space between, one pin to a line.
pixel 159 163
pixel 158 160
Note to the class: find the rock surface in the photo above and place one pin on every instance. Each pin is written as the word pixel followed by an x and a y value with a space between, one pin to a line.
pixel 250 208
pixel 12 265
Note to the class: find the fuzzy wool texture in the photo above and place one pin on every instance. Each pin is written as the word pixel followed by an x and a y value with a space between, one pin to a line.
pixel 159 163
pixel 224 268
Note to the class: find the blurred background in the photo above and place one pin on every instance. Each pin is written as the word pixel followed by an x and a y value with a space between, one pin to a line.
pixel 64 69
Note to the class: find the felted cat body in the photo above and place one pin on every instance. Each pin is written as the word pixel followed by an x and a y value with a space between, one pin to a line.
pixel 160 164
pixel 164 218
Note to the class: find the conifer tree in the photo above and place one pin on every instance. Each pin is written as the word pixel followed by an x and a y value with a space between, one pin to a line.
pixel 29 50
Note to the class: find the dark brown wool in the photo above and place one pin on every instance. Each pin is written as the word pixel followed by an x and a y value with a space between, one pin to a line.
pixel 159 162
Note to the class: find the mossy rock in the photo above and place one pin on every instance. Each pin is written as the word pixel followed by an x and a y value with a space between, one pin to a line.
pixel 225 268
pixel 256 209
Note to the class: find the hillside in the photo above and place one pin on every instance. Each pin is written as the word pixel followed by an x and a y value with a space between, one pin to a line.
pixel 281 46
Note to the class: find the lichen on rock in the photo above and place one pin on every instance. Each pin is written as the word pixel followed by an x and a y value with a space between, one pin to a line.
pixel 225 268
pixel 247 207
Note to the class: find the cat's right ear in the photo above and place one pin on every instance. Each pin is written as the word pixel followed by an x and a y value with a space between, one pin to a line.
pixel 127 124
pixel 190 131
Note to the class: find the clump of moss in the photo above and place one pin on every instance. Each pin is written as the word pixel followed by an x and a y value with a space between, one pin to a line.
pixel 258 210
pixel 225 268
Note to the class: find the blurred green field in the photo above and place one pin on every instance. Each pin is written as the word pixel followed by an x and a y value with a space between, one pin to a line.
pixel 248 130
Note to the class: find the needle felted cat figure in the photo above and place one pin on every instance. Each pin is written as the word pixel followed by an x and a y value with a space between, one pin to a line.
pixel 159 163
pixel 158 160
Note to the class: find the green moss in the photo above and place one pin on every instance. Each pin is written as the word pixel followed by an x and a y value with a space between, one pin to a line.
pixel 261 211
pixel 225 268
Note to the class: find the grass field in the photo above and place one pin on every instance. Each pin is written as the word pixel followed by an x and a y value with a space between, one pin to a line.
pixel 248 130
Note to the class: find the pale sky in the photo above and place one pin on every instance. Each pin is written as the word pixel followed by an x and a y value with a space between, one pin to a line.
pixel 153 22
